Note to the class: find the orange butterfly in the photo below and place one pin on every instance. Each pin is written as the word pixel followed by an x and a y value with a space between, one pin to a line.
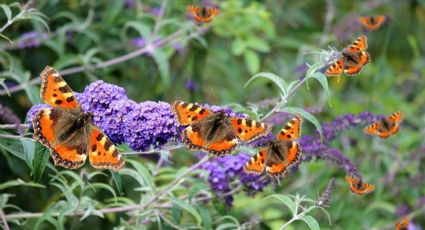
pixel 403 224
pixel 203 14
pixel 372 22
pixel 215 133
pixel 280 154
pixel 358 187
pixel 387 126
pixel 69 132
pixel 354 58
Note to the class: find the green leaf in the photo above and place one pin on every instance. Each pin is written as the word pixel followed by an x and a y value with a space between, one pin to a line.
pixel 238 47
pixel 323 81
pixel 274 78
pixel 311 222
pixel 306 115
pixel 4 86
pixel 41 157
pixel 258 44
pixel 286 200
pixel 164 68
pixel 252 61
pixel 118 182
pixel 29 148
pixel 227 226
pixel 205 215
pixel 380 205
pixel 19 182
pixel 189 208
pixel 7 11
pixel 176 212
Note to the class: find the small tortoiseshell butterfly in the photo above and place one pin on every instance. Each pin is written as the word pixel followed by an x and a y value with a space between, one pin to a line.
pixel 280 154
pixel 403 224
pixel 387 126
pixel 69 132
pixel 354 58
pixel 372 22
pixel 215 133
pixel 358 187
pixel 203 14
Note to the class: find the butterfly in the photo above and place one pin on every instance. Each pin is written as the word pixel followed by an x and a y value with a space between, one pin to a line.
pixel 403 224
pixel 358 187
pixel 68 131
pixel 372 22
pixel 354 58
pixel 387 126
pixel 215 133
pixel 280 154
pixel 203 14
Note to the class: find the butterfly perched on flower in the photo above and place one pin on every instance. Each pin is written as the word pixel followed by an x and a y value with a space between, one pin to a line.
pixel 280 154
pixel 372 22
pixel 359 187
pixel 203 14
pixel 403 224
pixel 68 131
pixel 215 133
pixel 387 126
pixel 353 58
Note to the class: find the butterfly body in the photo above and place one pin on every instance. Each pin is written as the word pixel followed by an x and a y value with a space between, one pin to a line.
pixel 203 14
pixel 68 131
pixel 353 58
pixel 372 22
pixel 386 127
pixel 280 154
pixel 359 187
pixel 215 133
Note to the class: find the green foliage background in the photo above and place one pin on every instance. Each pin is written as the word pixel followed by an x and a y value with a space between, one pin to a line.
pixel 248 37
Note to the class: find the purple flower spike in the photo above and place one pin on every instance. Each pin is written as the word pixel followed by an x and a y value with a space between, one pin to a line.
pixel 31 39
pixel 312 145
pixel 150 124
pixel 7 115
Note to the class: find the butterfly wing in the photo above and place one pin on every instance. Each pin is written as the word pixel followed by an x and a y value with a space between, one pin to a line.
pixel 249 130
pixel 44 124
pixel 276 165
pixel 195 11
pixel 211 13
pixel 396 117
pixel 403 224
pixel 372 22
pixel 292 130
pixel 358 187
pixel 55 91
pixel 257 163
pixel 336 68
pixel 187 113
pixel 102 152
pixel 354 63
pixel 360 44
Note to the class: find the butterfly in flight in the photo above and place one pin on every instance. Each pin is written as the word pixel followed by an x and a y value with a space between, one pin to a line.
pixel 280 154
pixel 358 187
pixel 353 58
pixel 387 126
pixel 372 22
pixel 403 224
pixel 203 14
pixel 215 133
pixel 68 131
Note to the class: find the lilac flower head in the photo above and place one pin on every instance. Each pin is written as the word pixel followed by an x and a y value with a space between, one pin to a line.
pixel 138 42
pixel 31 39
pixel 191 85
pixel 149 124
pixel 225 171
pixel 98 96
pixel 130 3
